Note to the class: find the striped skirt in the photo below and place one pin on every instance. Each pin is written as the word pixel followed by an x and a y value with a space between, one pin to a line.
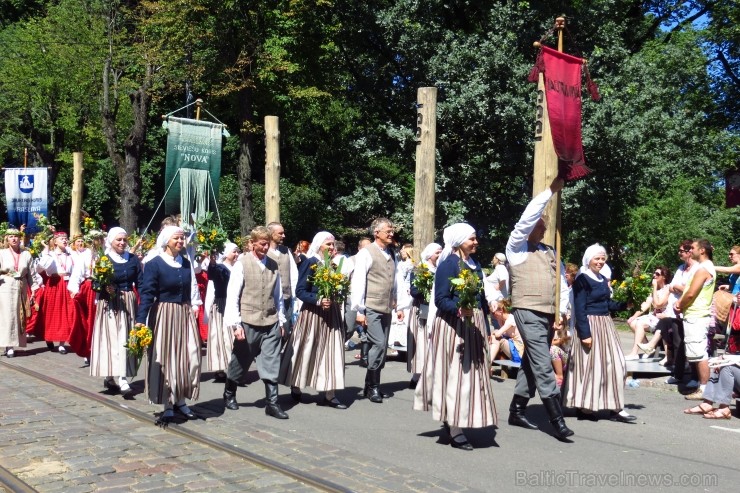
pixel 596 377
pixel 174 356
pixel 220 338
pixel 114 319
pixel 314 355
pixel 455 381
pixel 418 340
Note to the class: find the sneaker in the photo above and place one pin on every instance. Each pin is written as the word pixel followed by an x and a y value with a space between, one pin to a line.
pixel 696 395
pixel 631 357
pixel 692 384
pixel 10 352
pixel 672 381
pixel 646 348
pixel 62 350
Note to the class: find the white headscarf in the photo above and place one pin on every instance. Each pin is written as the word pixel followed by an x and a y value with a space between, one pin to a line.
pixel 165 235
pixel 318 240
pixel 229 247
pixel 427 253
pixel 109 245
pixel 454 236
pixel 590 253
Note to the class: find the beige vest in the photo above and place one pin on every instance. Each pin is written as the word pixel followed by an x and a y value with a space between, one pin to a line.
pixel 380 279
pixel 283 261
pixel 533 281
pixel 257 304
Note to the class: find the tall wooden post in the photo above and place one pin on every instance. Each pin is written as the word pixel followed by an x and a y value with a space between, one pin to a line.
pixel 426 141
pixel 74 215
pixel 272 169
pixel 546 166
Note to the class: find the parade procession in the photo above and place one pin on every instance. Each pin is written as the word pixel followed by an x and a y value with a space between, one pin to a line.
pixel 401 247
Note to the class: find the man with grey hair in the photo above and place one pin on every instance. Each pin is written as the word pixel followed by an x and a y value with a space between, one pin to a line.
pixel 288 270
pixel 373 293
pixel 532 268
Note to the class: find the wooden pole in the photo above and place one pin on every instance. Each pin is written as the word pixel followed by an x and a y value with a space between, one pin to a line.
pixel 198 104
pixel 272 169
pixel 426 140
pixel 74 215
pixel 546 168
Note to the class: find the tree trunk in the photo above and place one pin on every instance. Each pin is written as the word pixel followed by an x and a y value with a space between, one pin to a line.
pixel 131 182
pixel 246 161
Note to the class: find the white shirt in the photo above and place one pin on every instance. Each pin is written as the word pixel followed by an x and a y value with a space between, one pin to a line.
pixel 232 313
pixel 517 246
pixel 363 262
pixel 491 284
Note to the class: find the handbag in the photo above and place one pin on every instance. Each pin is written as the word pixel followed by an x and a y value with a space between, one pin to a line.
pixel 722 301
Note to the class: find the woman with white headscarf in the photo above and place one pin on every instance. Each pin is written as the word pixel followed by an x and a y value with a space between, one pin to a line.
pixel 114 317
pixel 220 338
pixel 418 335
pixel 460 393
pixel 314 354
pixel 169 302
pixel 597 369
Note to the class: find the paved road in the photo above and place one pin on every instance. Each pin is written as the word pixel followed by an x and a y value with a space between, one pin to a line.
pixel 371 447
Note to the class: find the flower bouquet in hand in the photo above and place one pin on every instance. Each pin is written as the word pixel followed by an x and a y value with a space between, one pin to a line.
pixel 209 235
pixel 466 285
pixel 102 274
pixel 139 339
pixel 332 284
pixel 423 280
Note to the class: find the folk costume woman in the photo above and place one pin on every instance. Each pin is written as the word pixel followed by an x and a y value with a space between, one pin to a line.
pixel 597 369
pixel 460 393
pixel 115 316
pixel 80 286
pixel 316 345
pixel 56 307
pixel 169 303
pixel 220 338
pixel 16 280
pixel 418 333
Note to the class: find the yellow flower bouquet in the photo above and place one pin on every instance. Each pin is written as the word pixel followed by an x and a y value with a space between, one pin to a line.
pixel 423 280
pixel 209 235
pixel 329 280
pixel 102 274
pixel 467 285
pixel 139 339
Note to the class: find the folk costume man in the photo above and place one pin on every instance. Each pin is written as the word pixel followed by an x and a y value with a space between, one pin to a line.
pixel 533 277
pixel 288 270
pixel 254 311
pixel 373 293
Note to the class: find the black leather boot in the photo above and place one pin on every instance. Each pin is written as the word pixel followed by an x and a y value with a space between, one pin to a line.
pixel 376 376
pixel 230 395
pixel 516 413
pixel 272 408
pixel 364 350
pixel 552 404
pixel 372 391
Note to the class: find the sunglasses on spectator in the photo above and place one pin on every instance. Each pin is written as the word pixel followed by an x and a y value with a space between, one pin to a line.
pixel 657 273
pixel 683 250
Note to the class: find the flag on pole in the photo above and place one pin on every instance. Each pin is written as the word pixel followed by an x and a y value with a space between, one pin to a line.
pixel 26 195
pixel 562 75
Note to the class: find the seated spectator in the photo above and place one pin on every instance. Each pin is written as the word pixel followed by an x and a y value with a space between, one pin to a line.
pixel 640 324
pixel 559 351
pixel 496 285
pixel 506 339
pixel 723 381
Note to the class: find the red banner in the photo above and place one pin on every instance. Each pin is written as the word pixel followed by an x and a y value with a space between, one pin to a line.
pixel 563 92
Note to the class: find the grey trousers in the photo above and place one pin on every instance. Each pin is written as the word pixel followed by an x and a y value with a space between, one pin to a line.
pixel 262 344
pixel 350 322
pixel 720 386
pixel 378 330
pixel 536 371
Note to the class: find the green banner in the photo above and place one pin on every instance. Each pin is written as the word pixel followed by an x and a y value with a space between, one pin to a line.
pixel 192 144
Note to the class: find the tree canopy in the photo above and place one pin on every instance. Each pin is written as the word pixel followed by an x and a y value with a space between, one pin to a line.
pixel 96 76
